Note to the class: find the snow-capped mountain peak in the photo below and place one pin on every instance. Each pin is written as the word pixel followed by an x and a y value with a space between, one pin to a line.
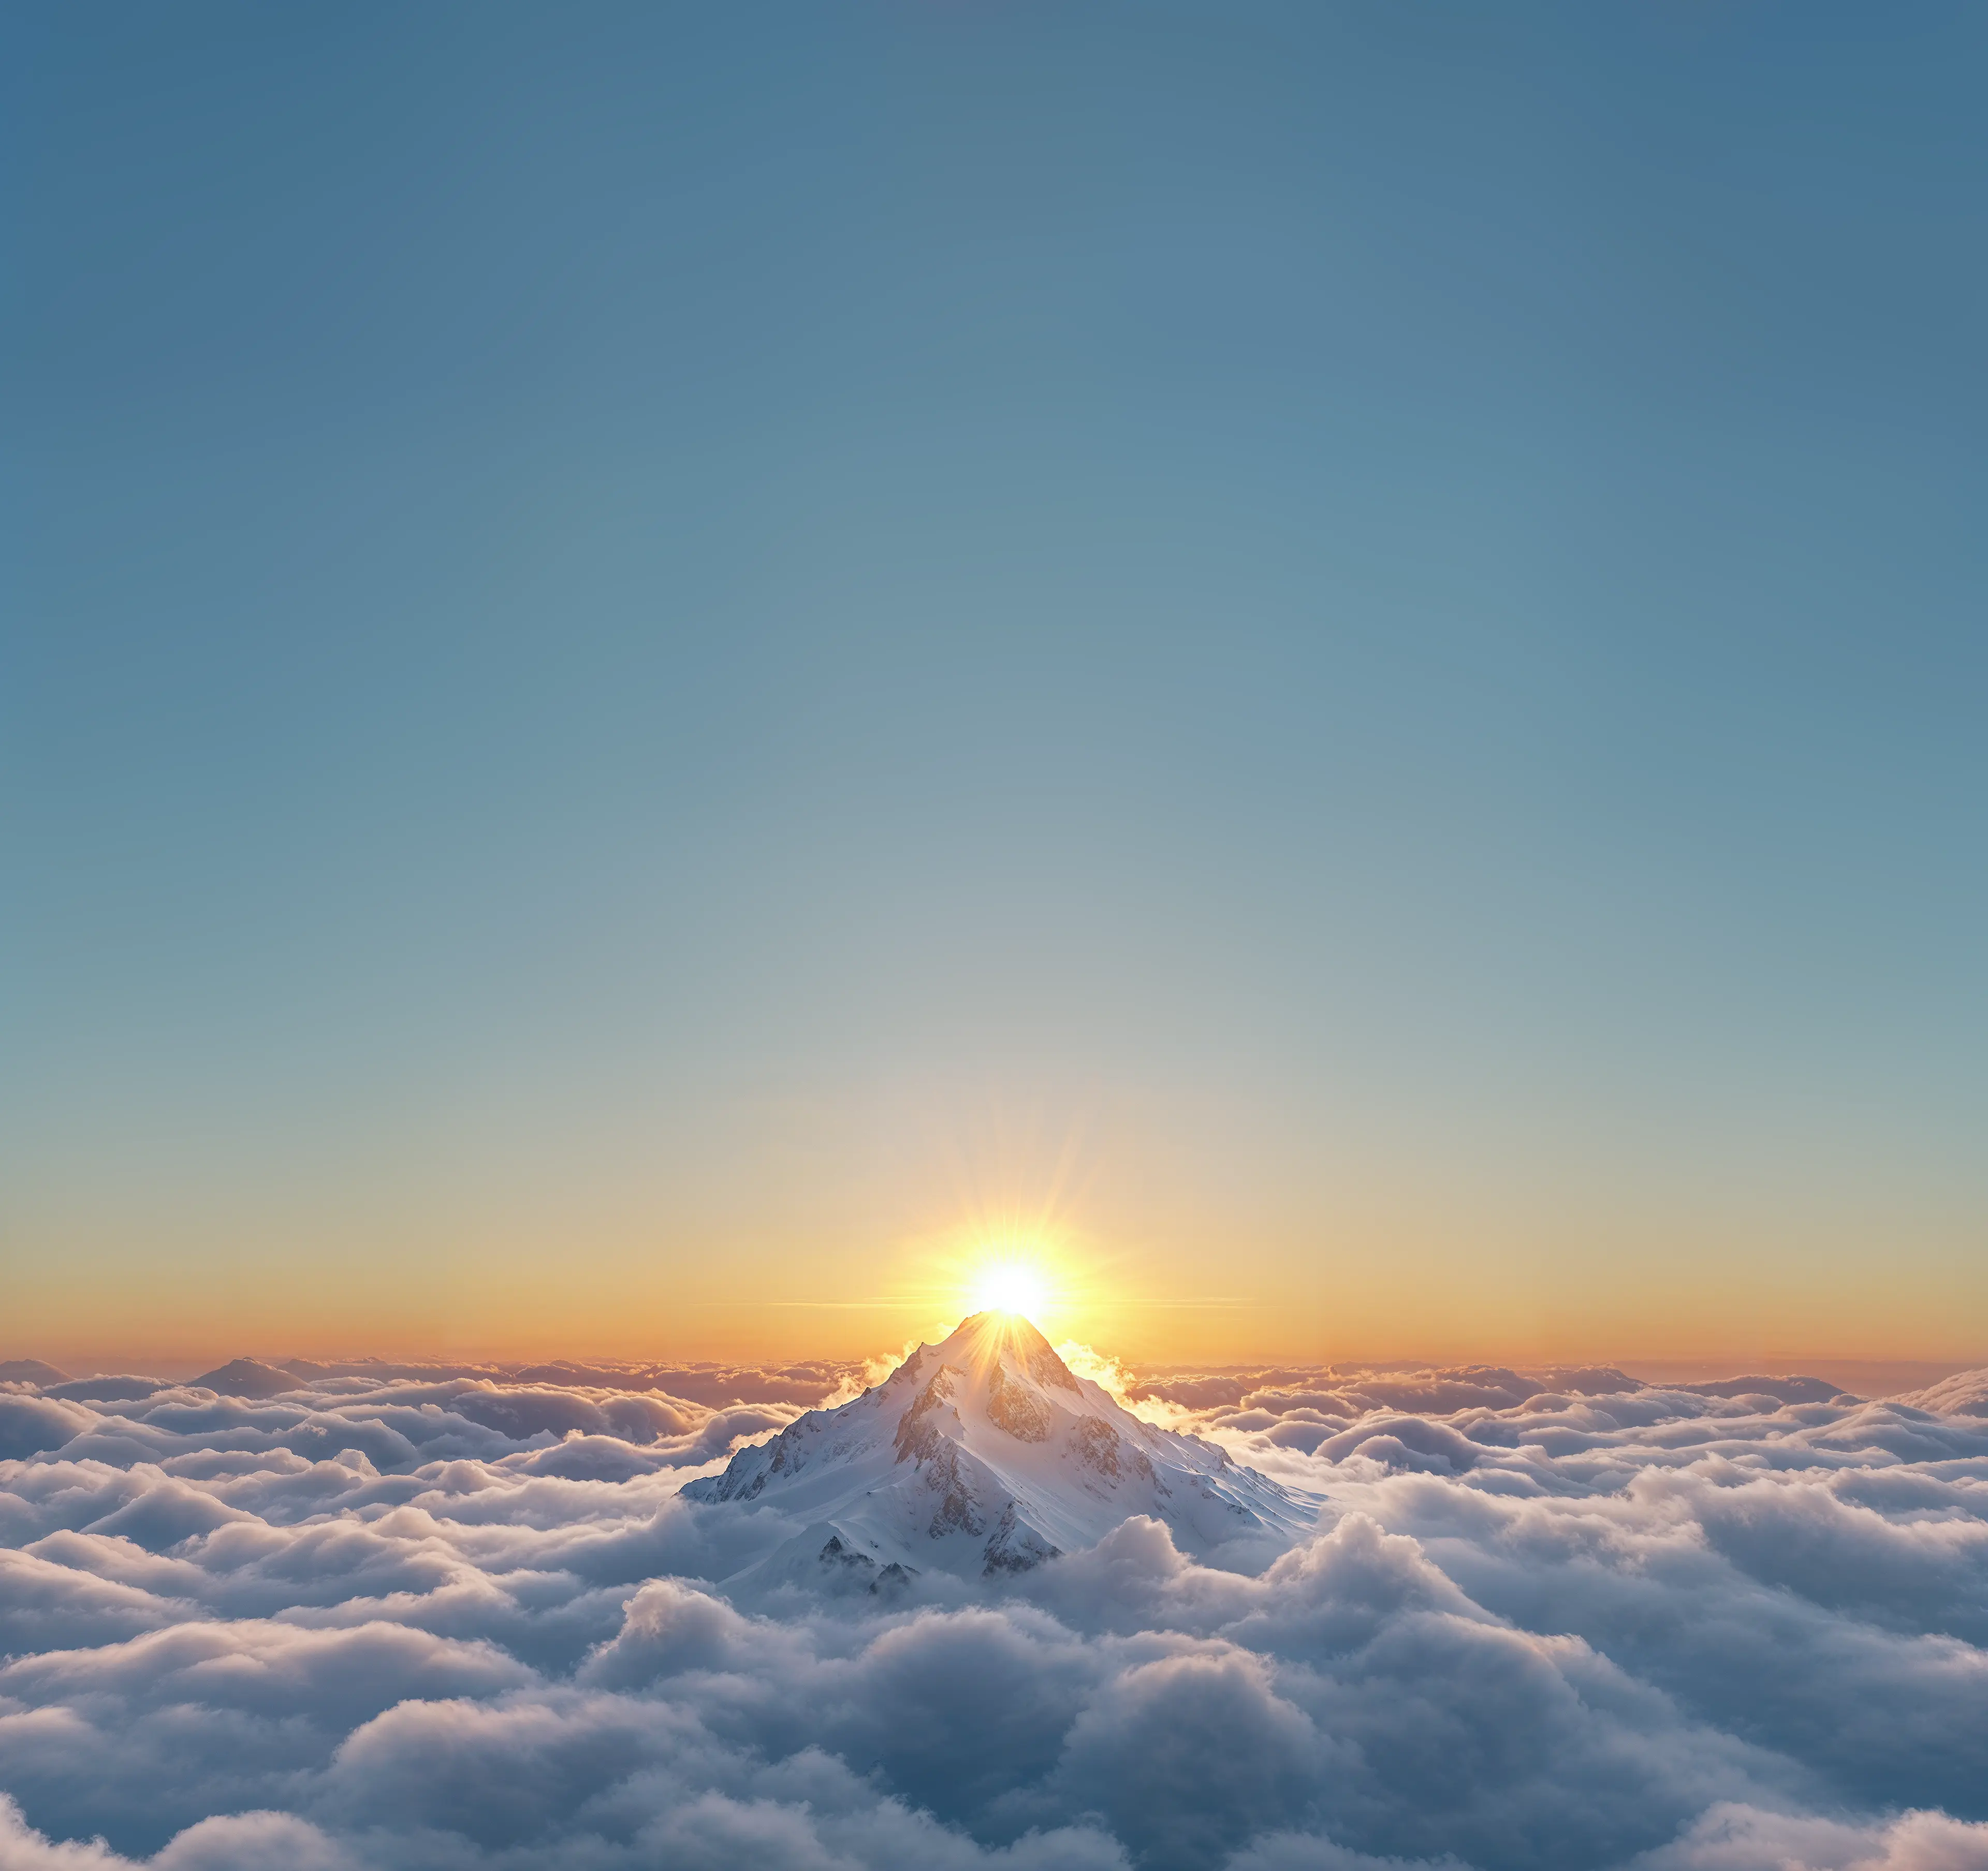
pixel 985 1454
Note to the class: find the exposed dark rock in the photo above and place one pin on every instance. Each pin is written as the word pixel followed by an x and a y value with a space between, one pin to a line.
pixel 1024 1416
pixel 1095 1443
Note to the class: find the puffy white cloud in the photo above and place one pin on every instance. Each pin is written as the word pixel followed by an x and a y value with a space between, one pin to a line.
pixel 29 1424
pixel 413 1620
pixel 245 1842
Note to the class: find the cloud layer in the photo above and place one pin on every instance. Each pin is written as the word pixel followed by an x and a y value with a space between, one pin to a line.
pixel 429 1622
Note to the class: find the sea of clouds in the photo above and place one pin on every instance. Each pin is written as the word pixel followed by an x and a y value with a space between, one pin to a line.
pixel 407 1618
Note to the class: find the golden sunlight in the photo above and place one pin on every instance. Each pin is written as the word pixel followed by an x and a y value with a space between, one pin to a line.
pixel 1010 1286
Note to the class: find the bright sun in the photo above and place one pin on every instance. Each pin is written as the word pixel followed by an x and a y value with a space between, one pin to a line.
pixel 1009 1285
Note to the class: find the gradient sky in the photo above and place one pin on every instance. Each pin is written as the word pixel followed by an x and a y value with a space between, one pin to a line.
pixel 665 667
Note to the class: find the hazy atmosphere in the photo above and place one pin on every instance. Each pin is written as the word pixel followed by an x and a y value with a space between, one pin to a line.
pixel 991 936
pixel 666 666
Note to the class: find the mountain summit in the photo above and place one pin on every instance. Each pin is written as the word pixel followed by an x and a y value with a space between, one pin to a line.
pixel 985 1454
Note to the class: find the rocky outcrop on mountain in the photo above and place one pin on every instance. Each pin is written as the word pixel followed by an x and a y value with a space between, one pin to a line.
pixel 986 1454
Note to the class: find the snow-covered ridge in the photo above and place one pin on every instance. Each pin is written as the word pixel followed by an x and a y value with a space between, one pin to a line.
pixel 986 1454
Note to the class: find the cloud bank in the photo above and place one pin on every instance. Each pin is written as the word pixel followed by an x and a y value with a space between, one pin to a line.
pixel 426 1621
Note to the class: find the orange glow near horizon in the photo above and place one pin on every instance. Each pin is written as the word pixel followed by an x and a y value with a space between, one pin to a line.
pixel 1195 1296
pixel 1159 1230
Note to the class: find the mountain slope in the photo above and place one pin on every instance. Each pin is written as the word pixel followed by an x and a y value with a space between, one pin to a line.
pixel 247 1377
pixel 985 1455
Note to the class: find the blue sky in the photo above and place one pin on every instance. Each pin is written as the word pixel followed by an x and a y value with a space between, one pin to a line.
pixel 684 653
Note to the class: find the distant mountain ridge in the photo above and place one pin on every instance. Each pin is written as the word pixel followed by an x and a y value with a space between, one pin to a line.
pixel 985 1455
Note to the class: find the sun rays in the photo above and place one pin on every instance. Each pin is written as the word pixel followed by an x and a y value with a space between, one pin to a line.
pixel 1010 1285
